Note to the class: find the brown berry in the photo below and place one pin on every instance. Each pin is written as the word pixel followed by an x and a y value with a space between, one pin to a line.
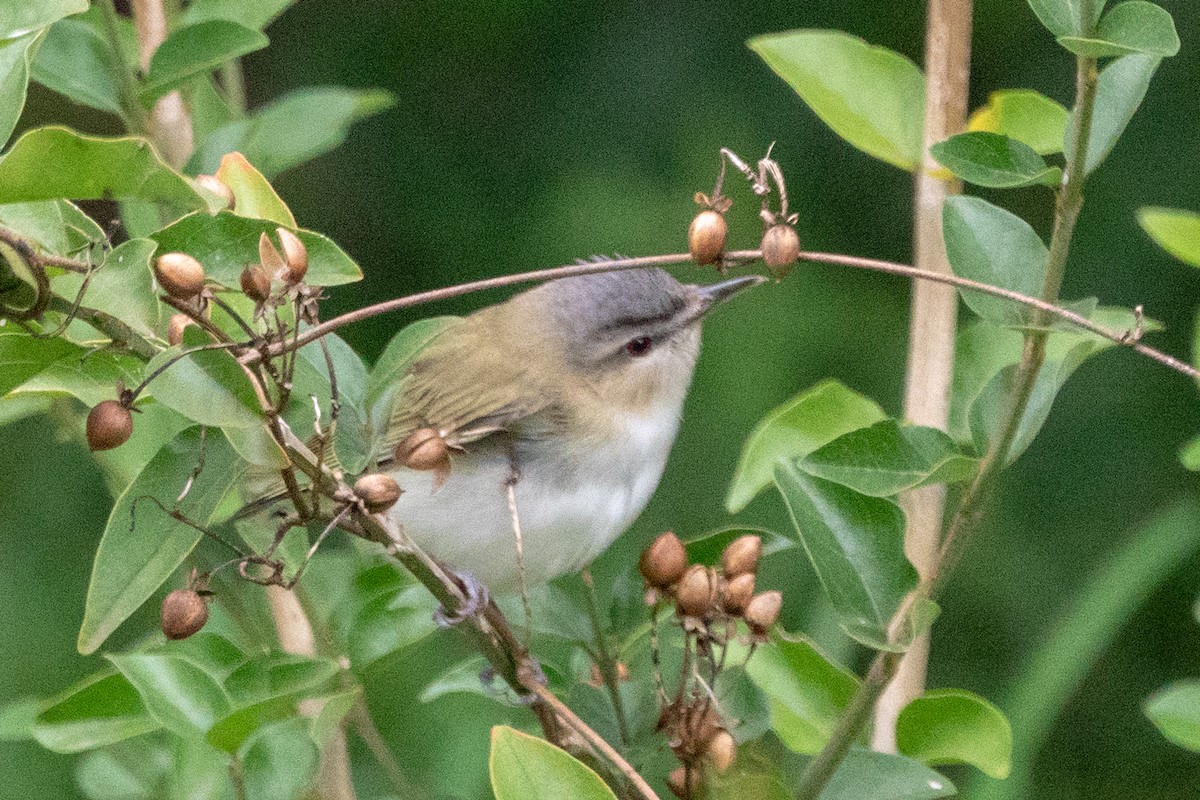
pixel 215 185
pixel 694 594
pixel 295 254
pixel 271 259
pixel 179 275
pixel 378 492
pixel 683 784
pixel 706 237
pixel 109 425
pixel 722 750
pixel 741 556
pixel 763 610
pixel 737 593
pixel 780 247
pixel 256 283
pixel 664 561
pixel 423 450
pixel 176 326
pixel 184 612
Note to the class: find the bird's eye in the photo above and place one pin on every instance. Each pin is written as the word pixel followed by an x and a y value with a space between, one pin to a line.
pixel 638 347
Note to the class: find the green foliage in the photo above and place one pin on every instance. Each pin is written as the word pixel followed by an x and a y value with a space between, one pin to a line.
pixel 953 726
pixel 866 775
pixel 279 761
pixel 134 560
pixel 856 546
pixel 1174 230
pixel 1130 27
pixel 102 710
pixel 994 160
pixel 256 14
pixel 122 285
pixel 1119 92
pixel 993 246
pixel 54 163
pixel 253 195
pixel 805 690
pixel 180 696
pixel 76 61
pixel 707 548
pixel 793 430
pixel 195 50
pixel 1067 17
pixel 16 54
pixel 1176 712
pixel 1024 115
pixel 870 96
pixel 524 767
pixel 22 357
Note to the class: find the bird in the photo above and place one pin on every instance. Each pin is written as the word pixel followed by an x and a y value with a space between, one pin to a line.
pixel 570 393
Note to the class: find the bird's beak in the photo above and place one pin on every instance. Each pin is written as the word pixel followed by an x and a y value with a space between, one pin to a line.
pixel 716 293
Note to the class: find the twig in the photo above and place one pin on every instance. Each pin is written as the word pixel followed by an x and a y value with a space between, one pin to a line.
pixel 594 739
pixel 606 662
pixel 170 122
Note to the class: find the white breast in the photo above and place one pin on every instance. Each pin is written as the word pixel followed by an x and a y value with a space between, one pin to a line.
pixel 567 517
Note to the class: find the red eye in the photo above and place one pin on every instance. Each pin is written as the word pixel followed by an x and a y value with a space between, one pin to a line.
pixel 638 347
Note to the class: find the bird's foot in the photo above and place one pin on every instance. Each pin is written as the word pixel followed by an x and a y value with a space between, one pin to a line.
pixel 530 673
pixel 476 600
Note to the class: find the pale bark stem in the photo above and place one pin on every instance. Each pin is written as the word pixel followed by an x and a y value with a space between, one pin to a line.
pixel 170 123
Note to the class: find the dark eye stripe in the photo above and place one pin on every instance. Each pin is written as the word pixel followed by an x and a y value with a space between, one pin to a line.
pixel 638 347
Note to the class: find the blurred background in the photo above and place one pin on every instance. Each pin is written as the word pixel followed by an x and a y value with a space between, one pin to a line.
pixel 530 133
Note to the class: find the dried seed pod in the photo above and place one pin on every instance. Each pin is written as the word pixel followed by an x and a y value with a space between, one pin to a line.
pixel 706 237
pixel 184 612
pixel 295 254
pixel 215 185
pixel 763 610
pixel 664 561
pixel 176 326
pixel 271 259
pixel 683 784
pixel 179 275
pixel 256 283
pixel 722 750
pixel 741 556
pixel 423 449
pixel 378 492
pixel 694 594
pixel 109 425
pixel 736 593
pixel 780 248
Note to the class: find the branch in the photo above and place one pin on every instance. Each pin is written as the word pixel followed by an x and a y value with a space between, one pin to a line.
pixel 170 124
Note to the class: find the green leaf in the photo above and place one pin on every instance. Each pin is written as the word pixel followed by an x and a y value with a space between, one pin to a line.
pixel 856 546
pixel 135 770
pixel 995 161
pixel 231 731
pixel 22 357
pixel 1024 115
pixel 279 761
pixel 397 357
pixel 707 548
pixel 870 96
pixel 97 712
pixel 226 242
pixel 122 286
pixel 17 718
pixel 271 139
pixel 77 62
pixel 1175 711
pixel 988 244
pixel 19 17
pixel 199 772
pixel 182 697
pixel 793 430
pixel 256 14
pixel 209 651
pixel 253 195
pixel 196 49
pixel 866 775
pixel 1119 91
pixel 888 458
pixel 1132 27
pixel 806 691
pixel 524 767
pixel 1189 455
pixel 390 623
pixel 132 561
pixel 953 726
pixel 334 709
pixel 208 386
pixel 1174 230
pixel 462 678
pixel 56 163
pixel 15 56
pixel 278 675
pixel 1062 17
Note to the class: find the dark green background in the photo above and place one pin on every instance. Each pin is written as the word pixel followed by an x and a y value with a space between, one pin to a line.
pixel 528 134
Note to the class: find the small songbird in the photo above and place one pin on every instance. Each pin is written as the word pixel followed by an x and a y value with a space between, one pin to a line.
pixel 571 393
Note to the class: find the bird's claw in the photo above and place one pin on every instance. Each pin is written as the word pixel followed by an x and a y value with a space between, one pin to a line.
pixel 477 598
pixel 530 673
